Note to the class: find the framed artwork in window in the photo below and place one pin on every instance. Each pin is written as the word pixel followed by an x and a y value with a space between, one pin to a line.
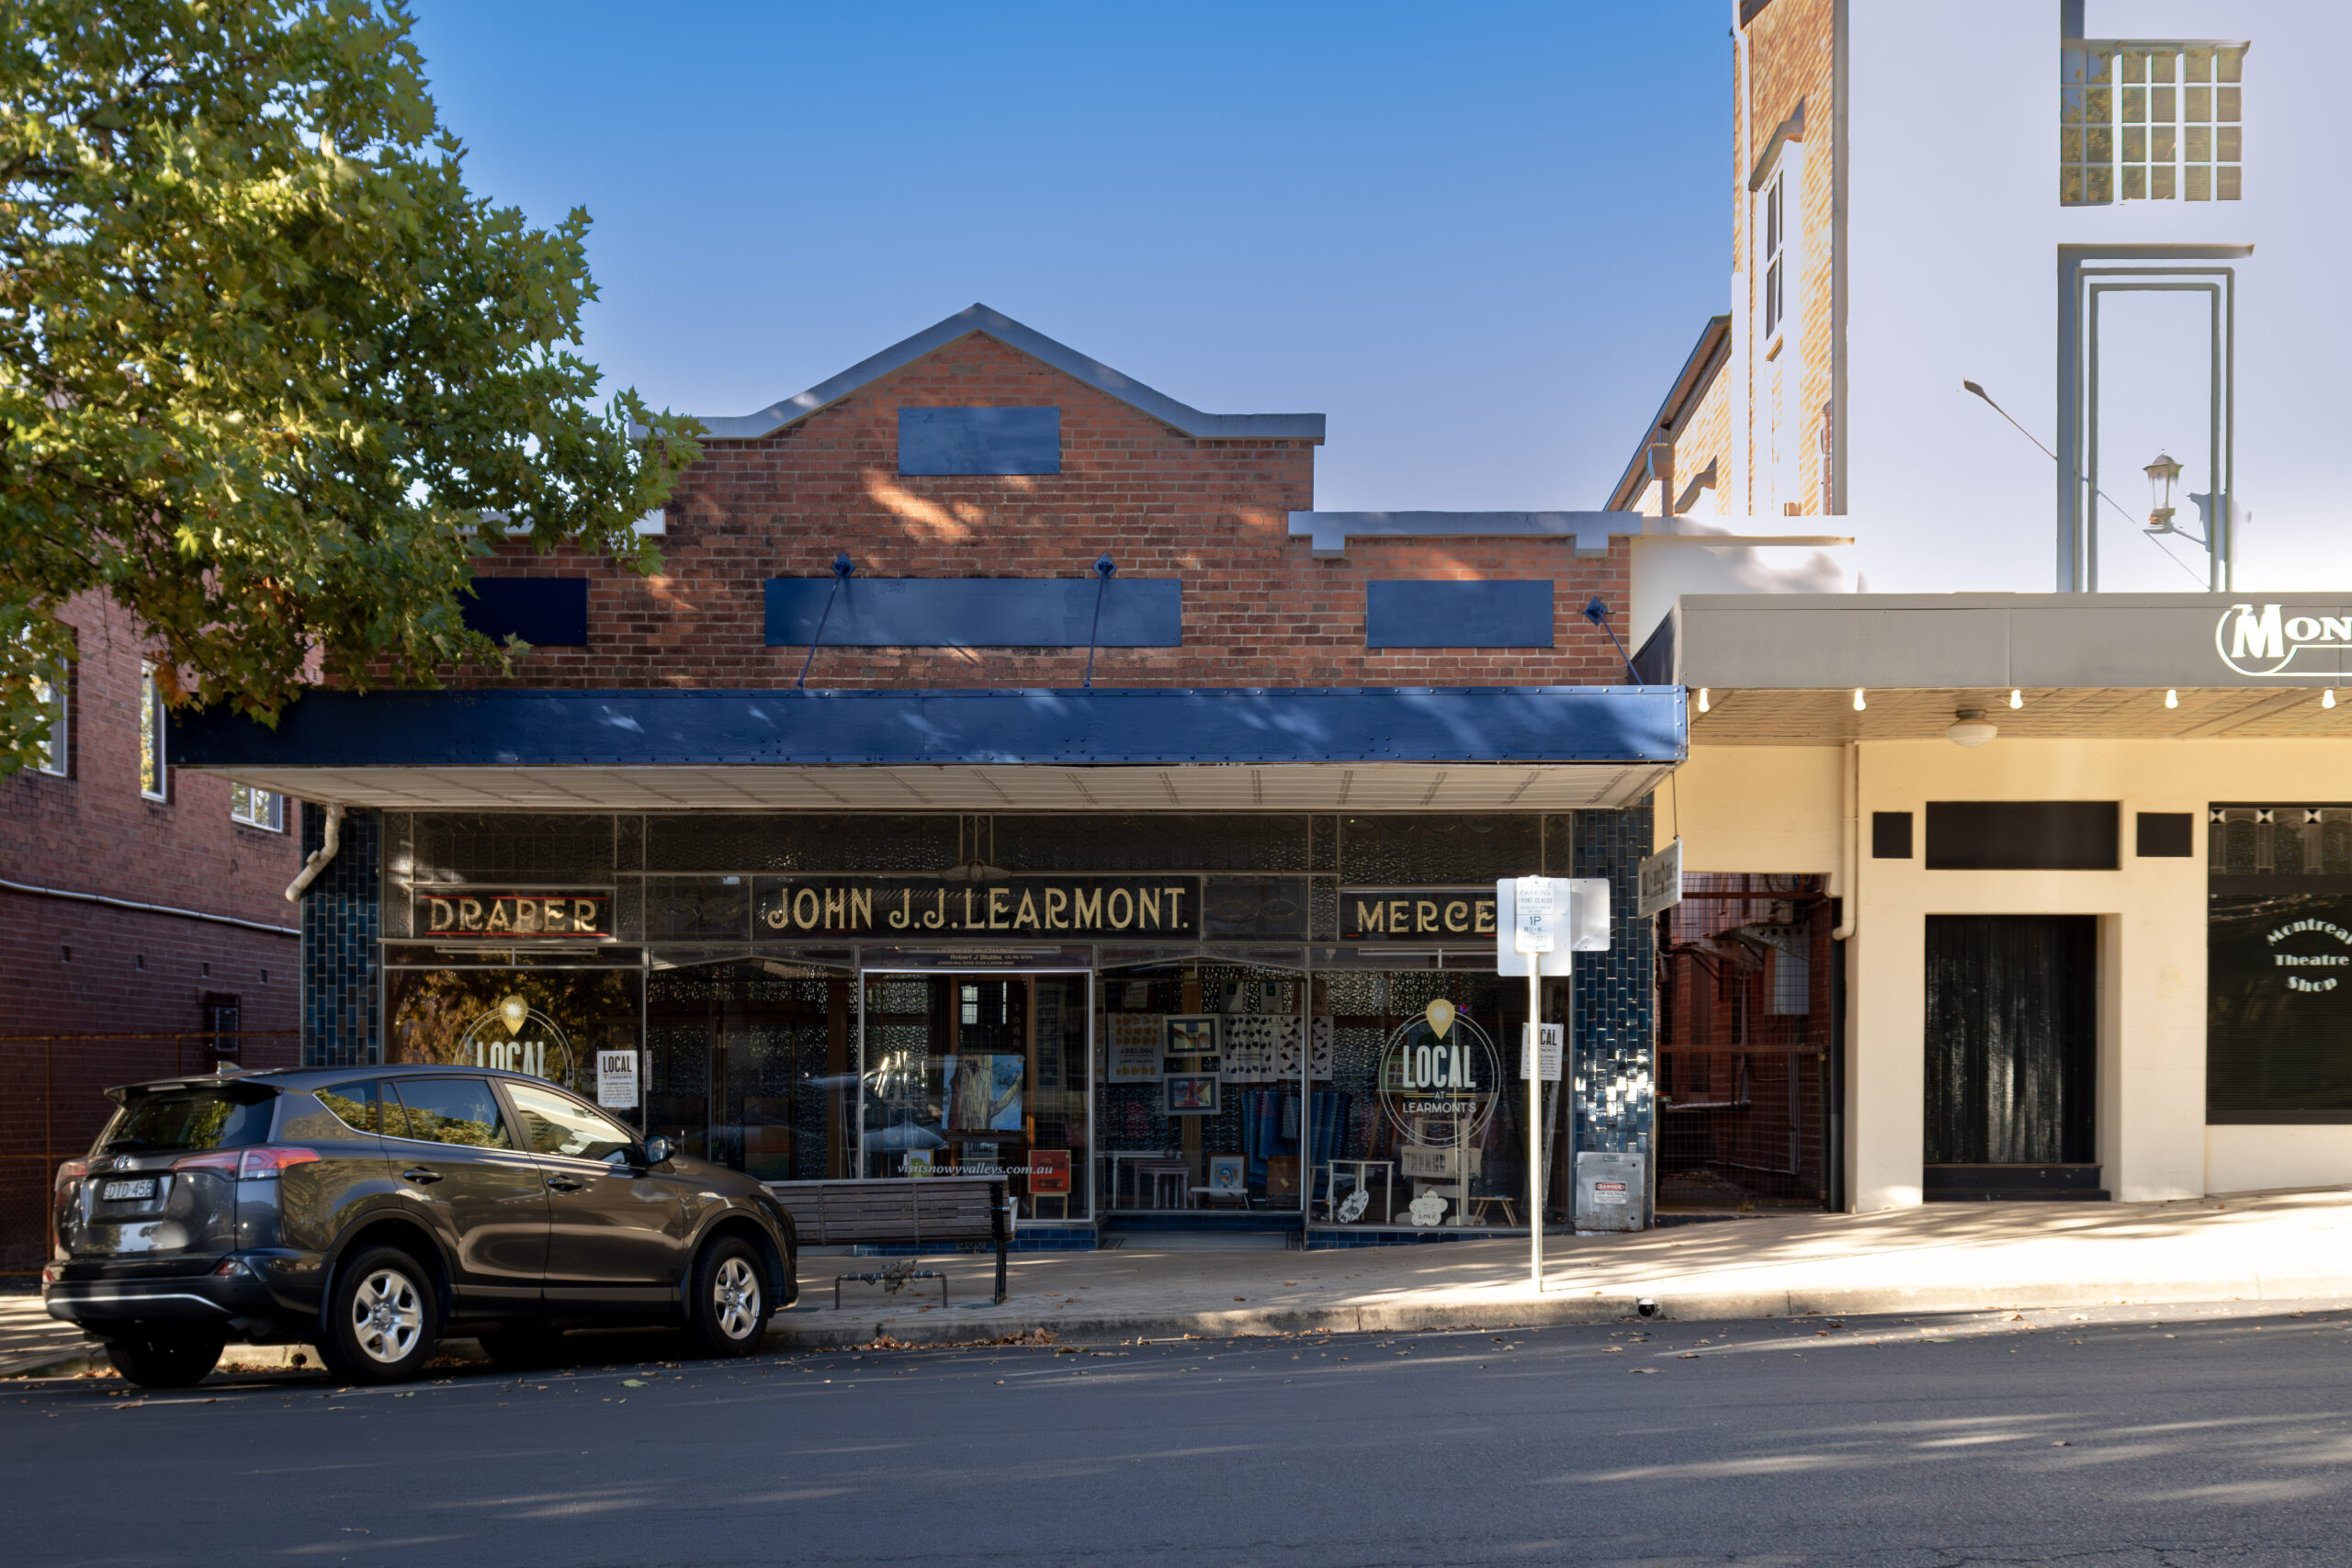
pixel 1187 1094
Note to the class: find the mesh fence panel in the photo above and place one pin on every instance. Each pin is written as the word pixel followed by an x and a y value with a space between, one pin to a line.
pixel 1744 994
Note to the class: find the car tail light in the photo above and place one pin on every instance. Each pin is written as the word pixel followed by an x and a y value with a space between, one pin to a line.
pixel 260 1165
pixel 68 1174
pixel 246 1165
pixel 231 1267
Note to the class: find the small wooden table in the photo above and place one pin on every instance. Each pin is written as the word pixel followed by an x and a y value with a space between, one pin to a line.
pixel 1478 1207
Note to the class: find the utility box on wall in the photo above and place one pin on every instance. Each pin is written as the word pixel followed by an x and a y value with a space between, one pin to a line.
pixel 1612 1191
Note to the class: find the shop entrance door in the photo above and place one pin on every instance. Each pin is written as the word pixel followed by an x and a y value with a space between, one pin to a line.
pixel 2012 1053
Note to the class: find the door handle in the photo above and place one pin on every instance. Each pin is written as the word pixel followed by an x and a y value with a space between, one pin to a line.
pixel 422 1175
pixel 566 1183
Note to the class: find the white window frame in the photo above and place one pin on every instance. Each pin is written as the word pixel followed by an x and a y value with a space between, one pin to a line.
pixel 1773 256
pixel 257 807
pixel 153 756
pixel 55 695
pixel 2137 123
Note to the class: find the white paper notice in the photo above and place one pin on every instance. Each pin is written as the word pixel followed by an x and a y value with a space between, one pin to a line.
pixel 616 1079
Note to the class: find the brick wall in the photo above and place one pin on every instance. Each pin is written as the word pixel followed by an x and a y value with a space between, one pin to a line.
pixel 1258 610
pixel 1790 62
pixel 92 832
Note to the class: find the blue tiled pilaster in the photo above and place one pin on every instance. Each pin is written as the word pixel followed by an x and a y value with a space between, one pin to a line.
pixel 1614 1060
pixel 342 973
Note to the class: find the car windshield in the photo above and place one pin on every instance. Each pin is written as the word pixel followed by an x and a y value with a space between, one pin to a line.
pixel 173 1119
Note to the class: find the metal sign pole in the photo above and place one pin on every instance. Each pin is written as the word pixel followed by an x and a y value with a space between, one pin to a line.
pixel 1531 1058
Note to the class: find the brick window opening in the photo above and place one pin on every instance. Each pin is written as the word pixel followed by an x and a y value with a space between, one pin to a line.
pixel 154 782
pixel 1775 249
pixel 2150 122
pixel 49 755
pixel 257 807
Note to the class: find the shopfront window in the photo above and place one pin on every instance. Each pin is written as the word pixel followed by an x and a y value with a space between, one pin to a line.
pixel 753 1066
pixel 2278 965
pixel 1423 1121
pixel 548 1022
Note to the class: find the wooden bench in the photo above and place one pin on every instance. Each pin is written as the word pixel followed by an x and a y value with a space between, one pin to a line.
pixel 919 1211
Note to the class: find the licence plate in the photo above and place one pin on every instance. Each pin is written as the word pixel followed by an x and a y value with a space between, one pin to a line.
pixel 115 1191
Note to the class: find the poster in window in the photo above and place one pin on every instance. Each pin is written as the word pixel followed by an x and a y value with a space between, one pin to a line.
pixel 983 1091
pixel 1133 1048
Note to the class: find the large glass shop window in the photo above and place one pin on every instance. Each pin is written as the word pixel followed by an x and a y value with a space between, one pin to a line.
pixel 980 1075
pixel 548 1022
pixel 752 1066
pixel 1202 1064
pixel 2278 965
pixel 1421 1120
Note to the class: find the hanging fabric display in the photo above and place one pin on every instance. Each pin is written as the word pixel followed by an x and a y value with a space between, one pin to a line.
pixel 1318 1054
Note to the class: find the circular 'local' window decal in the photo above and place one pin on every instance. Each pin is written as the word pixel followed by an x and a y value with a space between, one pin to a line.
pixel 517 1037
pixel 1440 1078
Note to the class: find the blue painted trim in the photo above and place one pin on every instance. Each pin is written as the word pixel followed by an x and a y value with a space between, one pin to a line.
pixel 546 612
pixel 1458 614
pixel 976 612
pixel 1074 728
pixel 980 441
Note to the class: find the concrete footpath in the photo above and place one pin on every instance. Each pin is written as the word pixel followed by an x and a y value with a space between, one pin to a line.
pixel 1947 1258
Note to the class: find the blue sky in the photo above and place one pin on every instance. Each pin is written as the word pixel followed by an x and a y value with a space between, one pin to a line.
pixel 1480 237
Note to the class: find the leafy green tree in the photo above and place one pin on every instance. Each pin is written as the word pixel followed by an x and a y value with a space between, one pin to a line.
pixel 267 364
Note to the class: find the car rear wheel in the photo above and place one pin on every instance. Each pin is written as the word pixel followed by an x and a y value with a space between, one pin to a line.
pixel 729 1302
pixel 382 1320
pixel 165 1358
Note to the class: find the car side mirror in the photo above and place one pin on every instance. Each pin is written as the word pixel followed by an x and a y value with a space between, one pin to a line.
pixel 658 1151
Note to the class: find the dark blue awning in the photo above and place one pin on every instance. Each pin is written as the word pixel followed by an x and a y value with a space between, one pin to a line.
pixel 1504 749
pixel 1052 728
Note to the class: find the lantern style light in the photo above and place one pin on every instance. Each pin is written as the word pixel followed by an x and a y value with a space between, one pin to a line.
pixel 2162 475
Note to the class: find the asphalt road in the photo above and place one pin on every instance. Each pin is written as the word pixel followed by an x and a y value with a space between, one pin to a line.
pixel 2119 1440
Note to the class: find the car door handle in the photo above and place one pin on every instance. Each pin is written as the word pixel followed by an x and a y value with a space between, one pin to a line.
pixel 566 1183
pixel 422 1175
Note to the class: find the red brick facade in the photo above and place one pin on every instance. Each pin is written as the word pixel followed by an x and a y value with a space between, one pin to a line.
pixel 92 832
pixel 1258 610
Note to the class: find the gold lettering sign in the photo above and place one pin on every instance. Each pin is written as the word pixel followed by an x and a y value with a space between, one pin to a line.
pixel 1449 915
pixel 504 914
pixel 1018 908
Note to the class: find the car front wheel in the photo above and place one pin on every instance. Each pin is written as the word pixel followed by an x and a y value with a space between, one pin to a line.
pixel 730 1301
pixel 165 1358
pixel 382 1320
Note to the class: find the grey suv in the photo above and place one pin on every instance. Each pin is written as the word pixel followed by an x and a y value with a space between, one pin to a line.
pixel 371 1211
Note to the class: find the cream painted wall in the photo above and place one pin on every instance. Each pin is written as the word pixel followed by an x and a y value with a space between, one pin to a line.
pixel 1778 809
pixel 1715 796
pixel 2251 1159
